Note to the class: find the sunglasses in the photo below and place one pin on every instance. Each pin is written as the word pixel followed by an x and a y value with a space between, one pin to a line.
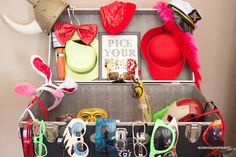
pixel 39 130
pixel 164 139
pixel 117 76
pixel 140 138
pixel 74 138
pixel 214 153
pixel 130 64
pixel 213 136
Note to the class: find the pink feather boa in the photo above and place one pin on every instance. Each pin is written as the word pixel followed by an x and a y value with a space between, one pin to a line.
pixel 184 40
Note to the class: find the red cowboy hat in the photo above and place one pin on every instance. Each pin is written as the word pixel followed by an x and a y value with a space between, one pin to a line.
pixel 162 54
pixel 116 16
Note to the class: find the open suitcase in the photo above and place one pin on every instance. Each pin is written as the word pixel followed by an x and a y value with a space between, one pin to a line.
pixel 116 99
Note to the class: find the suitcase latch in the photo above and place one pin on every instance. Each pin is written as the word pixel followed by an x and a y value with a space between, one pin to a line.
pixel 192 132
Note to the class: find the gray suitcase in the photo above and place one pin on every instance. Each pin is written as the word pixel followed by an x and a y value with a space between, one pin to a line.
pixel 116 99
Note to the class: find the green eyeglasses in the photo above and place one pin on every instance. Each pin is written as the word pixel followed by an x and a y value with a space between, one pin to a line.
pixel 39 130
pixel 164 139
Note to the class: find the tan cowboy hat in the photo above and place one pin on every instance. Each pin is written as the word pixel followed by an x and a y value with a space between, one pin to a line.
pixel 46 14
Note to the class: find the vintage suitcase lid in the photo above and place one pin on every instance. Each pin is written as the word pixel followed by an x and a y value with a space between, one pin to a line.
pixel 143 20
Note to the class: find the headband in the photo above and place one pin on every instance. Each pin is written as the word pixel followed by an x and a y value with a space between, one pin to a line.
pixel 41 68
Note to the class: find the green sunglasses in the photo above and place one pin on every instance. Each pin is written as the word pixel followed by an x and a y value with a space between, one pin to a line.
pixel 164 139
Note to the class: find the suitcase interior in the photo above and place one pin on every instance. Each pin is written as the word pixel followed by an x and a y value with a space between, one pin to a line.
pixel 116 98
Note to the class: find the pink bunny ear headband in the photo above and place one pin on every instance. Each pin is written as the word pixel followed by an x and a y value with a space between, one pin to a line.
pixel 26 89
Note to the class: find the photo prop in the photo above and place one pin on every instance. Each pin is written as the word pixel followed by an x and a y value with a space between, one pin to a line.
pixel 183 110
pixel 46 14
pixel 73 139
pixel 76 54
pixel 80 56
pixel 120 57
pixel 39 130
pixel 27 136
pixel 30 105
pixel 26 89
pixel 140 138
pixel 185 15
pixel 65 31
pixel 121 143
pixel 91 114
pixel 28 146
pixel 213 136
pixel 105 135
pixel 116 16
pixel 164 139
pixel 169 39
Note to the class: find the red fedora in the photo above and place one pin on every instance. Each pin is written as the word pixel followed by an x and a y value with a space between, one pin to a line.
pixel 116 16
pixel 162 54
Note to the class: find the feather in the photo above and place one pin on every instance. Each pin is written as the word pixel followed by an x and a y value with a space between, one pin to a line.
pixel 183 39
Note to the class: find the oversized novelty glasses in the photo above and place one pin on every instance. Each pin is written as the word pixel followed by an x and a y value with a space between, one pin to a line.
pixel 113 72
pixel 39 130
pixel 74 138
pixel 117 76
pixel 164 139
pixel 214 153
pixel 91 114
pixel 214 136
pixel 139 139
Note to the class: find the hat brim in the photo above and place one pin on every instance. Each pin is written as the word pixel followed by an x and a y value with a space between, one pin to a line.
pixel 90 75
pixel 129 13
pixel 157 71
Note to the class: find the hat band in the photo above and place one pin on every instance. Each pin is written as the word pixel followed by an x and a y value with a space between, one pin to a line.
pixel 183 15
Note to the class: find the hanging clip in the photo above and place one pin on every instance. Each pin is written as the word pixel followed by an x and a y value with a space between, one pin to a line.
pixel 137 89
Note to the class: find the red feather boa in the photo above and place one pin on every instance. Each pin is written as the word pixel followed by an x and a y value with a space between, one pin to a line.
pixel 184 40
